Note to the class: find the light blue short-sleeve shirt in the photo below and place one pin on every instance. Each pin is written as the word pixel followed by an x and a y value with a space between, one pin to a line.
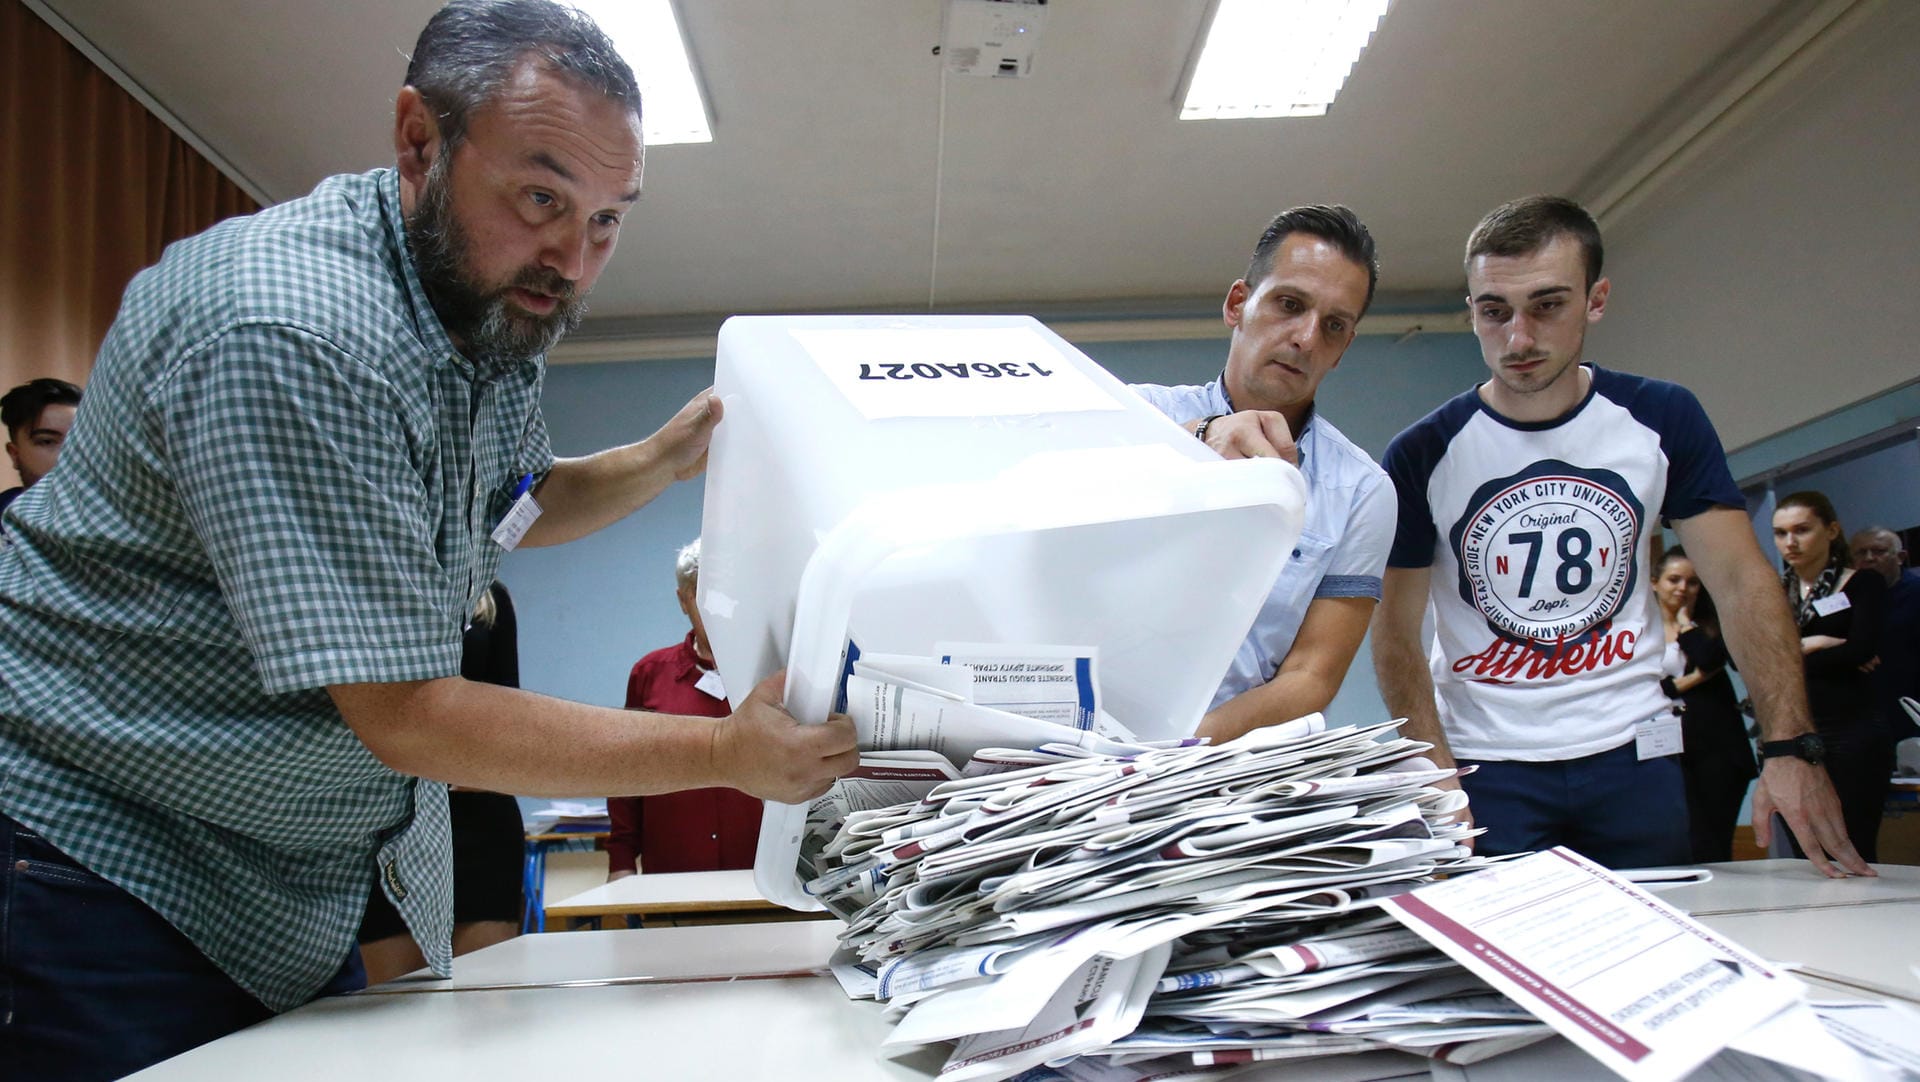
pixel 283 477
pixel 1342 550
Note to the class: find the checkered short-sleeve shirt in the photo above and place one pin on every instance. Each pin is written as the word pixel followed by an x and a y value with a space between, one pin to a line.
pixel 283 477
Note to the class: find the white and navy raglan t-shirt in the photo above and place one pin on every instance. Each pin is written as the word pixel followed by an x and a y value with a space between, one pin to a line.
pixel 1547 636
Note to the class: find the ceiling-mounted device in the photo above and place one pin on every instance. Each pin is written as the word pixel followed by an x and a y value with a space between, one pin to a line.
pixel 993 39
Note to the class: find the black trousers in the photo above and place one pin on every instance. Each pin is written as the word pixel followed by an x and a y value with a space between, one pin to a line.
pixel 95 985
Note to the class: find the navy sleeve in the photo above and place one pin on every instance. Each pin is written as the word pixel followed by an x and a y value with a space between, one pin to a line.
pixel 1697 475
pixel 1409 462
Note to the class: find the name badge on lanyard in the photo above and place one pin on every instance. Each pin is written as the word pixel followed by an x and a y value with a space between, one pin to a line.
pixel 1657 736
pixel 519 518
pixel 1832 603
pixel 709 683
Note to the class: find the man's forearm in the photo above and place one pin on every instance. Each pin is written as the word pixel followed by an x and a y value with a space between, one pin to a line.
pixel 1761 637
pixel 1285 697
pixel 1399 663
pixel 514 741
pixel 1330 633
pixel 1406 686
pixel 582 495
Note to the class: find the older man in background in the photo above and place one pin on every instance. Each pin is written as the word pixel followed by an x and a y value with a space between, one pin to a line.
pixel 695 830
pixel 1879 549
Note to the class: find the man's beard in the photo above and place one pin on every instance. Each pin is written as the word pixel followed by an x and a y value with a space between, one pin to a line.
pixel 479 319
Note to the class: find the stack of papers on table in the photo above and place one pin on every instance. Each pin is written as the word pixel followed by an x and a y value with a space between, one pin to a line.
pixel 1055 900
pixel 568 817
pixel 1212 904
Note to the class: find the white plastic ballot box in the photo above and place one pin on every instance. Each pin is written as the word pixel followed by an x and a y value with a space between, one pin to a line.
pixel 895 481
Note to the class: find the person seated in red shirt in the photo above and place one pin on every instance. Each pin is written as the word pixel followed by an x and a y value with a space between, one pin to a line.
pixel 699 830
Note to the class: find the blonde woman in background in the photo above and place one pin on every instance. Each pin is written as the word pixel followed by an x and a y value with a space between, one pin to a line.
pixel 1716 757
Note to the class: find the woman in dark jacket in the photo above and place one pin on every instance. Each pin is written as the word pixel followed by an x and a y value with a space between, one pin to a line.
pixel 1839 613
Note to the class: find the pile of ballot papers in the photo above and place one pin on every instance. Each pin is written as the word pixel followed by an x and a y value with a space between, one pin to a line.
pixel 1041 896
pixel 1084 896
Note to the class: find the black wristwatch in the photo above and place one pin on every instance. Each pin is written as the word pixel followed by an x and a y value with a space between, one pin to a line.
pixel 1806 746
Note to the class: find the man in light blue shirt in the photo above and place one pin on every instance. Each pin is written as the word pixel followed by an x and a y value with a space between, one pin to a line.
pixel 1311 278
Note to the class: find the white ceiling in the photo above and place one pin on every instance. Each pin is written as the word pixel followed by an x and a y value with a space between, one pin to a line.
pixel 1076 187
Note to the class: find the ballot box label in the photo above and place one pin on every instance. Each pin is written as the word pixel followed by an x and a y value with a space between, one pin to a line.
pixel 974 372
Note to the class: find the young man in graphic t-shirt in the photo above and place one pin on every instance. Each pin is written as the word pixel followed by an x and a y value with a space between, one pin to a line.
pixel 1526 511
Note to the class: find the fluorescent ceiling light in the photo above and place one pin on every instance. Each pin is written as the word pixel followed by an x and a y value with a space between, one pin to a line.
pixel 1277 57
pixel 648 35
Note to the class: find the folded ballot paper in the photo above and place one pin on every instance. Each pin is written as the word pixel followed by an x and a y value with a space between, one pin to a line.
pixel 972 710
pixel 1084 908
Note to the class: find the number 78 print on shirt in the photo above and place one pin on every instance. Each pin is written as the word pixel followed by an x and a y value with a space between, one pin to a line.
pixel 1546 556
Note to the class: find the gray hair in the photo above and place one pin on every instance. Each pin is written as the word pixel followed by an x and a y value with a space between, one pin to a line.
pixel 1891 534
pixel 469 48
pixel 686 566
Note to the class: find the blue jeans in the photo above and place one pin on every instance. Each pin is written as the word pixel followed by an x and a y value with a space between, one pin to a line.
pixel 93 983
pixel 1612 808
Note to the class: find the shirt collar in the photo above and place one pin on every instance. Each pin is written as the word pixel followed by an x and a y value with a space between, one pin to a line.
pixel 690 657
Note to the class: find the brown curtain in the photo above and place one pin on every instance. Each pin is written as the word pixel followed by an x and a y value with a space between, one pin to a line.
pixel 92 187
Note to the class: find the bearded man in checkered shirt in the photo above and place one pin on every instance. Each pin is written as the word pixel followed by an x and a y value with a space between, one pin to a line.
pixel 230 624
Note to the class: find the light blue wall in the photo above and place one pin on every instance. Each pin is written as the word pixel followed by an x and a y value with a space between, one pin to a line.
pixel 1881 488
pixel 1873 487
pixel 590 609
pixel 1899 406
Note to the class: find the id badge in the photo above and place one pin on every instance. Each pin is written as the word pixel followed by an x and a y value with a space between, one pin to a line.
pixel 1832 603
pixel 516 522
pixel 709 683
pixel 1657 736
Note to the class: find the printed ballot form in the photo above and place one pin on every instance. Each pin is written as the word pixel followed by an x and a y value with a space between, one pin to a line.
pixel 1051 683
pixel 1635 983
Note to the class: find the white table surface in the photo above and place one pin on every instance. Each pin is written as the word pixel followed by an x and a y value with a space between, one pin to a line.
pixel 690 889
pixel 1746 886
pixel 664 1019
pixel 650 954
pixel 797 1029
pixel 1872 948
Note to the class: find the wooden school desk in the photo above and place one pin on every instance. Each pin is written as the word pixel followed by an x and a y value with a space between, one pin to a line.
pixel 674 898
